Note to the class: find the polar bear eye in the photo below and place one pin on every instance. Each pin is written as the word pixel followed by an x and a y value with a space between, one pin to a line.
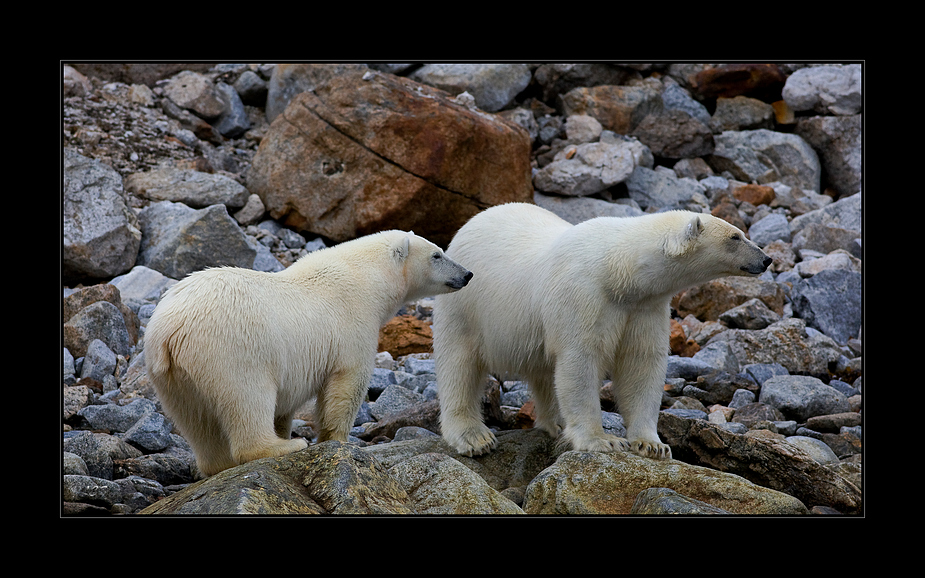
pixel 735 237
pixel 437 256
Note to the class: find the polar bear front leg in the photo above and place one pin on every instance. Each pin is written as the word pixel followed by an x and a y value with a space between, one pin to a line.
pixel 638 383
pixel 577 390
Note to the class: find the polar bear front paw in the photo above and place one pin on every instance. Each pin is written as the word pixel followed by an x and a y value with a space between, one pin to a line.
pixel 474 442
pixel 650 449
pixel 603 443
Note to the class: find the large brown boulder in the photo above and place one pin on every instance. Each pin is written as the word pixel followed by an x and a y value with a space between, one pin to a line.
pixel 366 151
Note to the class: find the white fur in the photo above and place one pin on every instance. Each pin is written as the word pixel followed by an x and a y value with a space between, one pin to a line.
pixel 563 306
pixel 233 353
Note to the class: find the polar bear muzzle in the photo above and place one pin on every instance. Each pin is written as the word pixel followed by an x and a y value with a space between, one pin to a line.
pixel 460 282
pixel 758 268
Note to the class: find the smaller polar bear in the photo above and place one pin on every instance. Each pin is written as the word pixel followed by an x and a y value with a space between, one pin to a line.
pixel 562 306
pixel 233 353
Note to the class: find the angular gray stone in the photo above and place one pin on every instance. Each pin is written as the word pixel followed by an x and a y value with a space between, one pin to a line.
pixel 90 490
pixel 719 356
pixel 99 361
pixel 118 418
pixel 838 142
pixel 659 189
pixel 787 342
pixel 675 134
pixel 828 89
pixel 493 86
pixel 101 320
pixel 178 240
pixel 194 92
pixel 800 397
pixel 741 113
pixel 101 234
pixel 753 314
pixel 195 189
pixel 675 97
pixel 151 433
pixel 765 156
pixel 586 169
pixel 142 285
pixel 233 121
pixel 830 301
pixel 393 399
pixel 772 227
pixel 825 239
pixel 844 213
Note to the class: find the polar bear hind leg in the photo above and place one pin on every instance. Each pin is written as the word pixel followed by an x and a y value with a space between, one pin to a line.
pixel 546 406
pixel 461 389
pixel 252 429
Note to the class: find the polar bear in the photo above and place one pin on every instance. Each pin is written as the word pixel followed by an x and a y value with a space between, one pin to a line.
pixel 562 306
pixel 233 353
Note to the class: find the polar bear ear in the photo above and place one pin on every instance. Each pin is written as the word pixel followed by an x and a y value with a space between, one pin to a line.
pixel 403 248
pixel 683 240
pixel 694 228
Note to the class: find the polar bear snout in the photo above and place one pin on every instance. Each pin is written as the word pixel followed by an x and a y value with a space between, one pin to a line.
pixel 758 268
pixel 460 282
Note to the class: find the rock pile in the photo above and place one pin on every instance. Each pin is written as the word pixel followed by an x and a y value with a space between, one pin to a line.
pixel 172 168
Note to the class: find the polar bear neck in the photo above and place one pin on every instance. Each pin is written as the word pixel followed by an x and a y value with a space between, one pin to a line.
pixel 348 273
pixel 639 265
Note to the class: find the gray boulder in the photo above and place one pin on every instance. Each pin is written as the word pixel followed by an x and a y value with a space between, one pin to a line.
pixel 178 240
pixel 765 156
pixel 651 188
pixel 101 233
pixel 192 188
pixel 829 89
pixel 830 301
pixel 800 397
pixel 493 86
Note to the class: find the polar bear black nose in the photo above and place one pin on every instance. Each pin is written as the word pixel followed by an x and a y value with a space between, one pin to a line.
pixel 767 262
pixel 468 276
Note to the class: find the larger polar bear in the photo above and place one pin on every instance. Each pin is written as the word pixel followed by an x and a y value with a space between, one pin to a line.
pixel 233 353
pixel 562 306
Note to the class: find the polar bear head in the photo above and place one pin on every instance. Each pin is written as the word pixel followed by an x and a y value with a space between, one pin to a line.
pixel 714 247
pixel 426 269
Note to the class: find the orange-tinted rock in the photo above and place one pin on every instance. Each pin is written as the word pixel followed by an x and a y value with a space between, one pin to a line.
pixel 679 343
pixel 709 300
pixel 754 194
pixel 365 152
pixel 617 108
pixel 728 212
pixel 526 416
pixel 762 81
pixel 405 334
pixel 783 114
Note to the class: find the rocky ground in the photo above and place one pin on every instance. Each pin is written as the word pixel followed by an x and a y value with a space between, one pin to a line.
pixel 168 169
